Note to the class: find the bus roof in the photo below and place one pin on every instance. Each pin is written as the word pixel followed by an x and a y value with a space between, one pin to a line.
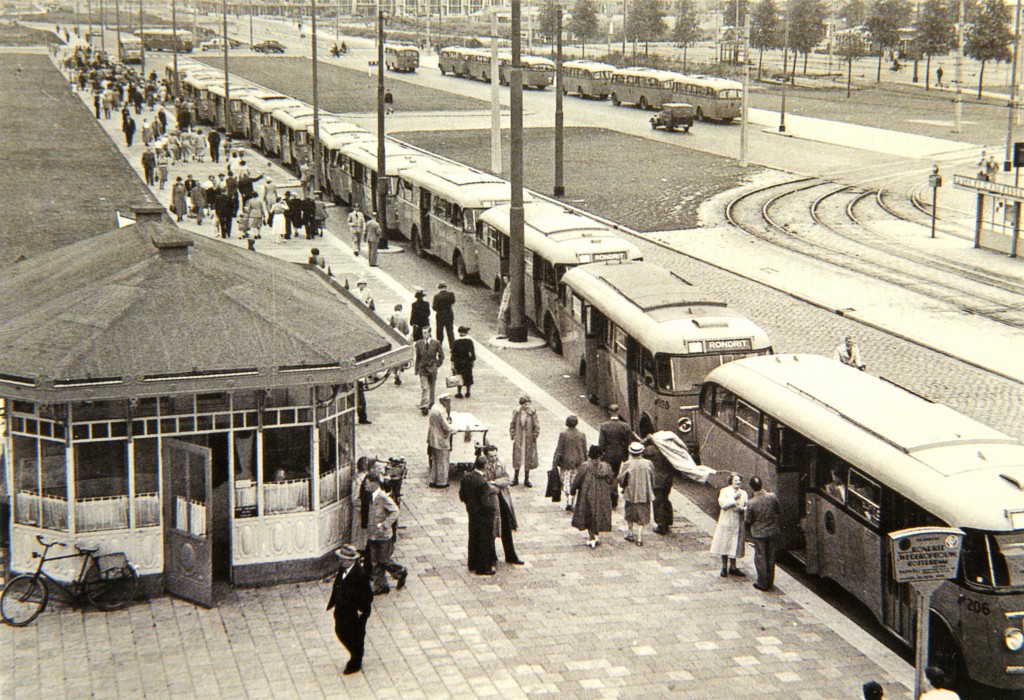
pixel 294 117
pixel 396 156
pixel 238 90
pixel 468 187
pixel 648 72
pixel 266 104
pixel 711 82
pixel 401 47
pixel 958 469
pixel 332 126
pixel 660 309
pixel 203 80
pixel 587 64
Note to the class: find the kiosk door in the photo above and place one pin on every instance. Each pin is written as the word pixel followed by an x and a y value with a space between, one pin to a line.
pixel 188 521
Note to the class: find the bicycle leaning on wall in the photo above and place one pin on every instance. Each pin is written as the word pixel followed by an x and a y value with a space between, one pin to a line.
pixel 108 581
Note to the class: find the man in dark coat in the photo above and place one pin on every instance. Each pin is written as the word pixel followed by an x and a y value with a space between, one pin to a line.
pixel 214 140
pixel 463 358
pixel 476 492
pixel 224 208
pixel 614 437
pixel 444 315
pixel 293 216
pixel 149 165
pixel 128 126
pixel 762 519
pixel 352 601
pixel 419 315
pixel 309 217
pixel 661 482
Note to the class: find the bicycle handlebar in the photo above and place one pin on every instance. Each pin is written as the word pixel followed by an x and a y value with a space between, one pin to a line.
pixel 43 542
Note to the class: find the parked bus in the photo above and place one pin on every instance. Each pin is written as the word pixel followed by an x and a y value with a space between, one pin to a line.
pixel 644 338
pixel 853 458
pixel 130 49
pixel 163 39
pixel 250 115
pixel 238 120
pixel 358 175
pixel 335 134
pixel 646 88
pixel 556 239
pixel 438 209
pixel 588 79
pixel 197 88
pixel 538 72
pixel 713 98
pixel 401 58
pixel 454 60
pixel 291 123
pixel 259 109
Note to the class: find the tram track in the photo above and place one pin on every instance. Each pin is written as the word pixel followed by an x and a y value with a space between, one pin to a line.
pixel 839 232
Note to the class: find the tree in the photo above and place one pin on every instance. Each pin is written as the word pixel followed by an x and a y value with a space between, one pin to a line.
pixel 854 13
pixel 765 29
pixel 645 22
pixel 687 29
pixel 583 24
pixel 734 13
pixel 936 32
pixel 807 26
pixel 883 23
pixel 988 36
pixel 548 18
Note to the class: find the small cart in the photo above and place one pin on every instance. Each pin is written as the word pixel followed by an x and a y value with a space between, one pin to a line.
pixel 469 438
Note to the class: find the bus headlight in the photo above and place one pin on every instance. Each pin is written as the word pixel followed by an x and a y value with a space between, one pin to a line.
pixel 1014 638
pixel 685 424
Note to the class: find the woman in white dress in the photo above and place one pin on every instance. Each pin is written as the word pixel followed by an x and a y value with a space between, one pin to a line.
pixel 728 539
pixel 277 225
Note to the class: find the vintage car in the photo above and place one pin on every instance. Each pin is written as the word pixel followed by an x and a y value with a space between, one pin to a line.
pixel 673 115
pixel 268 46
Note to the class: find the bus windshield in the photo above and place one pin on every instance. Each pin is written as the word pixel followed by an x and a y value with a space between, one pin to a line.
pixel 683 373
pixel 728 94
pixel 994 560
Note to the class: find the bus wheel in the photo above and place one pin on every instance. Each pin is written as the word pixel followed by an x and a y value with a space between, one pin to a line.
pixel 642 104
pixel 553 337
pixel 615 100
pixel 944 652
pixel 700 114
pixel 460 269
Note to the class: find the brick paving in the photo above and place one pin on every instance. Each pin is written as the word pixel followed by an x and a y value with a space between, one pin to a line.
pixel 618 621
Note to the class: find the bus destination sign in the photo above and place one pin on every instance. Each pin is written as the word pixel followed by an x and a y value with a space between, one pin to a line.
pixel 604 257
pixel 727 345
pixel 925 553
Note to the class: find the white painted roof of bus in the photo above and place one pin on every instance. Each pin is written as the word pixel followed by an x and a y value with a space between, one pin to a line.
pixel 237 89
pixel 333 126
pixel 648 72
pixel 468 187
pixel 401 47
pixel 952 465
pixel 396 156
pixel 588 64
pixel 266 104
pixel 203 79
pixel 294 117
pixel 659 306
pixel 713 82
pixel 338 141
pixel 560 235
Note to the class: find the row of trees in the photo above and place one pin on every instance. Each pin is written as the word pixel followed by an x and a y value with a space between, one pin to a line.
pixel 988 35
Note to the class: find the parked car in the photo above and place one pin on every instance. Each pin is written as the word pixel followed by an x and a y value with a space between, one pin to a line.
pixel 673 115
pixel 269 46
pixel 217 44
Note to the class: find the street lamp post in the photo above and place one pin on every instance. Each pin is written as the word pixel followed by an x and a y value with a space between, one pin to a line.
pixel 559 190
pixel 785 71
pixel 227 70
pixel 89 8
pixel 381 197
pixel 103 30
pixel 517 332
pixel 316 102
pixel 1007 162
pixel 142 48
pixel 174 46
pixel 745 105
pixel 117 19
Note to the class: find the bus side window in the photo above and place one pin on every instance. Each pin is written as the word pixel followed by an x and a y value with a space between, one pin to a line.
pixel 748 422
pixel 725 407
pixel 707 399
pixel 647 368
pixel 975 558
pixel 864 497
pixel 769 435
pixel 832 477
pixel 596 323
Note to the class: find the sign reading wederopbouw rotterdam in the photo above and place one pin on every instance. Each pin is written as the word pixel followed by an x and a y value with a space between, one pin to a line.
pixel 925 553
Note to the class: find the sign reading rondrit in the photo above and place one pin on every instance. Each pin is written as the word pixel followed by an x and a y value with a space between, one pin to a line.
pixel 925 553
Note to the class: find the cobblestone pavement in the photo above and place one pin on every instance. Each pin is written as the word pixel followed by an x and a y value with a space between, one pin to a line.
pixel 618 621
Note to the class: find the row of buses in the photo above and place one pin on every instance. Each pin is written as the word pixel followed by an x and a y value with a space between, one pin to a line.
pixel 852 457
pixel 475 64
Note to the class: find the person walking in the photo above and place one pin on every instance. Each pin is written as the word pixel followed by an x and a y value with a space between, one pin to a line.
pixel 381 536
pixel 278 218
pixel 352 601
pixel 762 520
pixel 178 200
pixel 149 166
pixel 200 146
pixel 359 505
pixel 662 482
pixel 478 495
pixel 938 76
pixel 357 227
pixel 214 140
pixel 427 358
pixel 614 437
pixel 524 430
pixel 497 476
pixel 570 453
pixel 162 167
pixel 400 323
pixel 444 315
pixel 637 491
pixel 256 215
pixel 439 441
pixel 463 359
pixel 373 235
pixel 224 208
pixel 728 539
pixel 128 126
pixel 419 314
pixel 593 487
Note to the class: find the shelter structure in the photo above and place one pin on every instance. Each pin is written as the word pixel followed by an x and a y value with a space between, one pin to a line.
pixel 186 402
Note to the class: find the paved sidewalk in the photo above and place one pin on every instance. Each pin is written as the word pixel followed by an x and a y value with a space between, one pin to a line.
pixel 618 621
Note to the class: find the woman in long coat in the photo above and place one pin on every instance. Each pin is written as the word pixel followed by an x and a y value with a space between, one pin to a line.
pixel 636 478
pixel 593 486
pixel 728 539
pixel 523 430
pixel 178 199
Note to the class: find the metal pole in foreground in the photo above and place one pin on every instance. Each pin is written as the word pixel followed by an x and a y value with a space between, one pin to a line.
pixel 117 15
pixel 559 190
pixel 227 75
pixel 174 46
pixel 495 99
pixel 142 50
pixel 958 101
pixel 744 115
pixel 1007 162
pixel 517 249
pixel 382 175
pixel 316 102
pixel 785 73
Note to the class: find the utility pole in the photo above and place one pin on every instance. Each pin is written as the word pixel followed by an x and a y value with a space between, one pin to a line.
pixel 785 71
pixel 117 16
pixel 227 72
pixel 89 8
pixel 103 30
pixel 559 190
pixel 624 30
pixel 1008 162
pixel 745 106
pixel 495 99
pixel 142 51
pixel 382 175
pixel 958 100
pixel 517 249
pixel 174 47
pixel 252 11
pixel 316 102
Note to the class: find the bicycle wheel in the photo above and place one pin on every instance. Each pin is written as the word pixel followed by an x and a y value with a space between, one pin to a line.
pixel 24 597
pixel 113 590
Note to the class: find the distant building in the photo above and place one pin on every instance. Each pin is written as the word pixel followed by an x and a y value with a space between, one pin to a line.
pixel 184 401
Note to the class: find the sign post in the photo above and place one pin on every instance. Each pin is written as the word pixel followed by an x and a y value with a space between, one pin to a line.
pixel 924 557
pixel 935 182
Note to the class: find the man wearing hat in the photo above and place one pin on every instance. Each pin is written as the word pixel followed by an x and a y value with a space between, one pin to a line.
pixel 463 358
pixel 444 315
pixel 439 440
pixel 356 226
pixel 614 437
pixel 637 491
pixel 352 600
pixel 419 314
pixel 373 236
pixel 363 292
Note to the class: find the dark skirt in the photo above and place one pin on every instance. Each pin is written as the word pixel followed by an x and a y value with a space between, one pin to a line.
pixel 466 371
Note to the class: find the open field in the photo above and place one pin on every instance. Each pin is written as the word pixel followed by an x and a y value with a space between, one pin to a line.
pixel 341 89
pixel 62 178
pixel 645 185
pixel 18 35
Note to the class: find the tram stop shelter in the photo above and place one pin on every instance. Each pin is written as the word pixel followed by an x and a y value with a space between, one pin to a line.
pixel 999 229
pixel 186 402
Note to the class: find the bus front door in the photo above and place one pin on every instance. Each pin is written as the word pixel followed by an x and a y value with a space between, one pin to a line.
pixel 425 205
pixel 796 466
pixel 633 377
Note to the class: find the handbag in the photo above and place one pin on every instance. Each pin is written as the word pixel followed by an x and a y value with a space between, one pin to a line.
pixel 453 381
pixel 554 489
